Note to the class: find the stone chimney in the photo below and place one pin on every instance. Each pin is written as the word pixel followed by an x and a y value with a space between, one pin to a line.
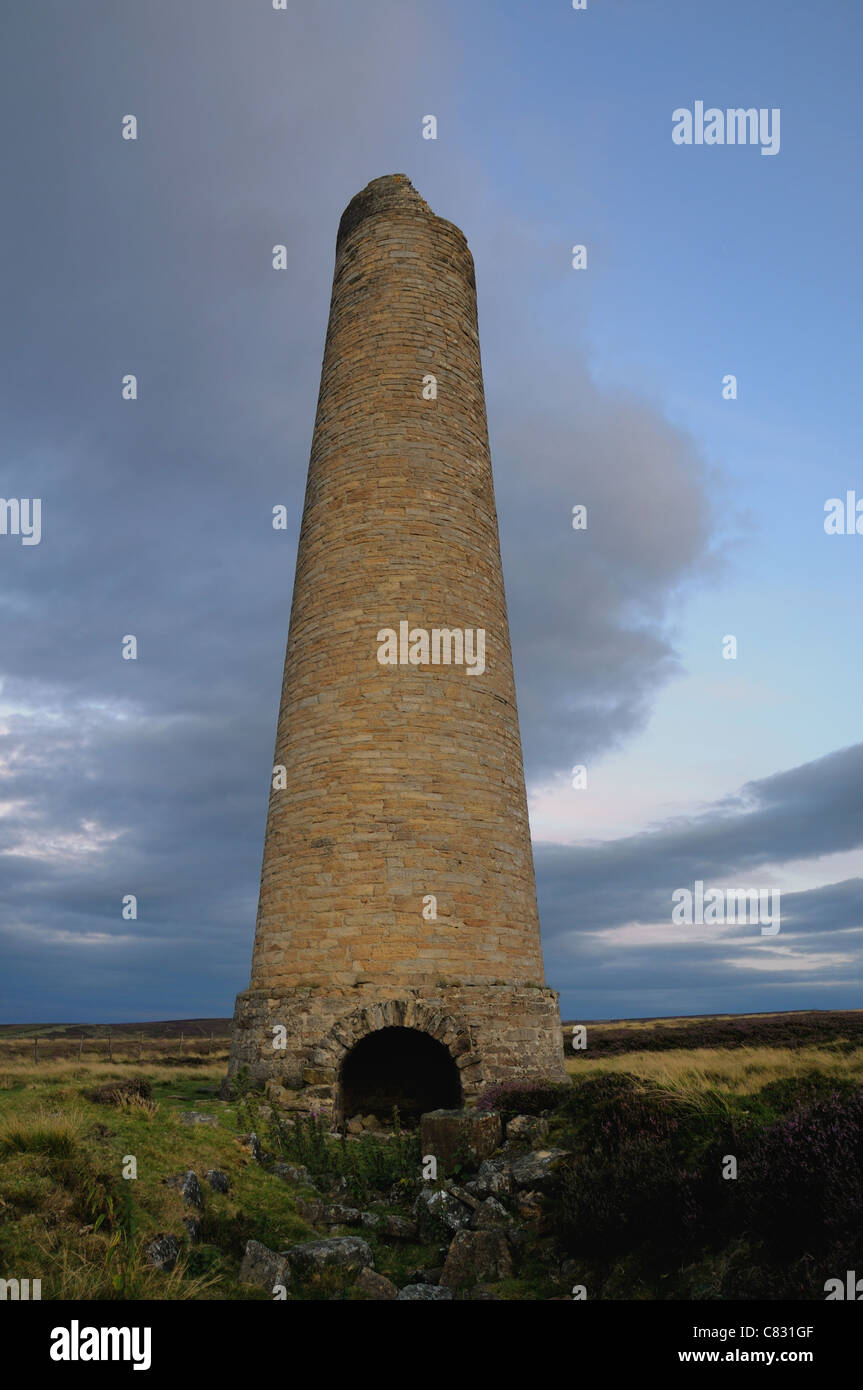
pixel 397 955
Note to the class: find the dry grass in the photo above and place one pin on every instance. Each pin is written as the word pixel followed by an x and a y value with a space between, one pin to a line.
pixel 68 1071
pixel 49 1130
pixel 738 1070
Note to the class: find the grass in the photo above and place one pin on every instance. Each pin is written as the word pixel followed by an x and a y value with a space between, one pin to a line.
pixel 733 1071
pixel 69 1218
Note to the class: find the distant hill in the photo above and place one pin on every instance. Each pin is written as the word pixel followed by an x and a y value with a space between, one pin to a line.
pixel 162 1028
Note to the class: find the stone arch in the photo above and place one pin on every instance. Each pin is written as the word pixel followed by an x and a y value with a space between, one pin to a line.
pixel 411 1014
pixel 397 1068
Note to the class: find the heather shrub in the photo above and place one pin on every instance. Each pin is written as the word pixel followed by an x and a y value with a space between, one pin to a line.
pixel 644 1198
pixel 628 1183
pixel 800 1188
pixel 517 1098
pixel 794 1092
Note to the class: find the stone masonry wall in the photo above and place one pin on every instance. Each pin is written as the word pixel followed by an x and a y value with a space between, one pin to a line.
pixel 494 1033
pixel 400 781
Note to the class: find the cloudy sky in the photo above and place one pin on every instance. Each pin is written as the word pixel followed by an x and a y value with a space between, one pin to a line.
pixel 604 387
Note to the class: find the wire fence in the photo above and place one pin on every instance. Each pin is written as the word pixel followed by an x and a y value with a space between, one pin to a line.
pixel 122 1047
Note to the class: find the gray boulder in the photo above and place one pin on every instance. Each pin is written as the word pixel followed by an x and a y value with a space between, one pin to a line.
pixel 263 1267
pixel 218 1180
pixel 491 1215
pixel 191 1190
pixel 348 1253
pixel 423 1293
pixel 494 1178
pixel 337 1215
pixel 375 1288
pixel 290 1172
pixel 455 1136
pixel 439 1214
pixel 538 1171
pixel 163 1252
pixel 526 1129
pixel 394 1227
pixel 476 1256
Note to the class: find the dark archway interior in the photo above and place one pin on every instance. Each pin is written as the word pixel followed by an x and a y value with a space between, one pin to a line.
pixel 402 1067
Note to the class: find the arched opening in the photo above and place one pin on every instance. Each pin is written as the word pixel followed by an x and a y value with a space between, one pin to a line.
pixel 398 1067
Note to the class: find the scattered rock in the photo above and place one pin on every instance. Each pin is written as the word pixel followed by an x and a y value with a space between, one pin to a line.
pixel 191 1190
pixel 344 1216
pixel 163 1252
pixel 530 1207
pixel 341 1252
pixel 438 1213
pixel 193 1229
pixel 375 1287
pixel 476 1256
pixel 355 1124
pixel 218 1180
pixel 423 1293
pixel 290 1172
pixel 394 1227
pixel 197 1117
pixel 529 1129
pixel 254 1144
pixel 371 1122
pixel 312 1212
pixel 538 1170
pixel 491 1215
pixel 464 1196
pixel 263 1267
pixel 465 1136
pixel 493 1180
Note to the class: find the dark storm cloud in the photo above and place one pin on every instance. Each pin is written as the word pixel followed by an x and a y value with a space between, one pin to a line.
pixel 153 257
pixel 589 891
pixel 589 608
pixel 808 811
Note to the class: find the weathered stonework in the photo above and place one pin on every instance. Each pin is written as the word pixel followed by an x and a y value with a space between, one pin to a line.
pixel 401 781
pixel 493 1032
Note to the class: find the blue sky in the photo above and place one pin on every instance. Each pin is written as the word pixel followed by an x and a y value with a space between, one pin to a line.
pixel 603 386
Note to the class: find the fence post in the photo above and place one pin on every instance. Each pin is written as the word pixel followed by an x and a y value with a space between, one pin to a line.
pixel 36 1049
pixel 80 1047
pixel 110 1047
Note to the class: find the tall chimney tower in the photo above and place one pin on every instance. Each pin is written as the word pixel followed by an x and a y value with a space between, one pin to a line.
pixel 397 955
